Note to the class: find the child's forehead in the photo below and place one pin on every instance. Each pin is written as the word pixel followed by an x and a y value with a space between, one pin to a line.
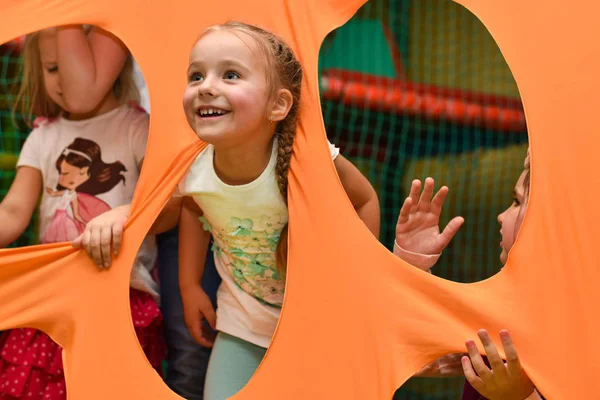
pixel 519 188
pixel 47 42
pixel 225 43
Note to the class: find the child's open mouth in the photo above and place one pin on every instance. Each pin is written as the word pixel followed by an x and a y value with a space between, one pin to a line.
pixel 211 112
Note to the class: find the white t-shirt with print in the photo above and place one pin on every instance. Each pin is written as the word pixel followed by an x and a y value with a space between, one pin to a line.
pixel 89 167
pixel 246 222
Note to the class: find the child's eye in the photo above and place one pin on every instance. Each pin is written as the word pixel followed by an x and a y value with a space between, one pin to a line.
pixel 195 77
pixel 52 70
pixel 516 202
pixel 232 75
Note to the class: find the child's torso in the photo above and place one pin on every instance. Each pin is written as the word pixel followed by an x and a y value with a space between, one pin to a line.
pixel 116 142
pixel 246 222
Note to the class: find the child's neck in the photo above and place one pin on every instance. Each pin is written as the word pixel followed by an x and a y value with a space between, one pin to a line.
pixel 107 104
pixel 240 165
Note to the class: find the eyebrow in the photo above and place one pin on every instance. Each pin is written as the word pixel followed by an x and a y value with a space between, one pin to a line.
pixel 225 62
pixel 516 194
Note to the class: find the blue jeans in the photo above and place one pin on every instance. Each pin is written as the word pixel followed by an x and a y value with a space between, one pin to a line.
pixel 187 360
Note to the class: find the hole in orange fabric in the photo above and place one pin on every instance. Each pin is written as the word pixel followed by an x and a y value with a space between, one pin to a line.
pixel 417 89
pixel 74 126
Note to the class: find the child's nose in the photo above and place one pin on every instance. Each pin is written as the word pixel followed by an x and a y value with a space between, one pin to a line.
pixel 206 88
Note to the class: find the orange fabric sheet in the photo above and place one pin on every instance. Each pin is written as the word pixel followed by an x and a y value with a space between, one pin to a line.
pixel 357 322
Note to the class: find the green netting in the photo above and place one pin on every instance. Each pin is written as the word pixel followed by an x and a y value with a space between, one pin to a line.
pixel 438 43
pixel 12 136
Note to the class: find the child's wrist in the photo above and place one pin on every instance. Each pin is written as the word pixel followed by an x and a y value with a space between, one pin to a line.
pixel 421 261
pixel 189 286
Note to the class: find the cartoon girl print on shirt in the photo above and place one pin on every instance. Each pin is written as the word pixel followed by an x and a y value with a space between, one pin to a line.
pixel 81 175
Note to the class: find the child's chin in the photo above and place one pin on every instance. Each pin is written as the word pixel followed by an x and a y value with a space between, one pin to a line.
pixel 209 136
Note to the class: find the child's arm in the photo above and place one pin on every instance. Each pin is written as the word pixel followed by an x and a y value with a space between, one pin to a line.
pixel 88 65
pixel 18 205
pixel 503 380
pixel 361 193
pixel 193 246
pixel 418 238
pixel 168 217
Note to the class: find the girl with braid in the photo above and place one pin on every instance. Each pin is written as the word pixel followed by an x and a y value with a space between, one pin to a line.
pixel 242 98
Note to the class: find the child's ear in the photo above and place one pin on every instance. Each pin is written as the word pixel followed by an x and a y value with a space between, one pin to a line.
pixel 281 106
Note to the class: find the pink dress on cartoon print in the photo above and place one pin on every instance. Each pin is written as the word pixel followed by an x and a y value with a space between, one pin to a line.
pixel 64 227
pixel 30 362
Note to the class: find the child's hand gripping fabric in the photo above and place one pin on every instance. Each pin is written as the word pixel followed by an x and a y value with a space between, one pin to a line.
pixel 103 233
pixel 419 241
pixel 504 380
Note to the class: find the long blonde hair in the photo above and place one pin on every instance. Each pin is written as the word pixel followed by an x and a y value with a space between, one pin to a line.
pixel 284 71
pixel 33 101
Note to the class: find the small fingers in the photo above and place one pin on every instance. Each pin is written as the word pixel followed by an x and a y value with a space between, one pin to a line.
pixel 478 365
pixel 451 229
pixel 95 248
pixel 498 368
pixel 211 317
pixel 85 241
pixel 117 237
pixel 438 200
pixel 105 242
pixel 78 242
pixel 425 199
pixel 471 376
pixel 405 211
pixel 415 190
pixel 195 328
pixel 512 358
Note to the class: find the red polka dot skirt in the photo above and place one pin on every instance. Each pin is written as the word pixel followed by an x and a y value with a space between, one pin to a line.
pixel 31 363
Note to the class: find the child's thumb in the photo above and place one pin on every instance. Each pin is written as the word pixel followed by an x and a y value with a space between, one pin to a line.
pixel 210 316
pixel 77 242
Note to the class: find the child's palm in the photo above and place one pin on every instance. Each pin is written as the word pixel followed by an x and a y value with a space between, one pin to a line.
pixel 418 228
pixel 420 234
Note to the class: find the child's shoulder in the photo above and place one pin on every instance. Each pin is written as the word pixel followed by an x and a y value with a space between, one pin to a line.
pixel 42 122
pixel 135 111
pixel 135 117
pixel 203 162
pixel 134 105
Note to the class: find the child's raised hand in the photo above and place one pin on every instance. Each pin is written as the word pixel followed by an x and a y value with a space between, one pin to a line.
pixel 102 233
pixel 417 230
pixel 504 381
pixel 196 306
